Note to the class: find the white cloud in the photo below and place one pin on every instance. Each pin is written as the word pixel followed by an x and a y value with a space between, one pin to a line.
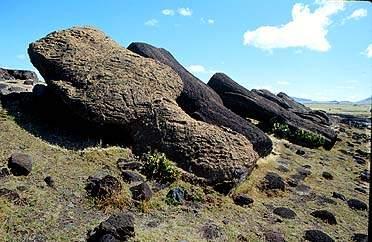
pixel 306 30
pixel 152 22
pixel 197 69
pixel 210 21
pixel 368 51
pixel 21 57
pixel 283 83
pixel 184 11
pixel 357 14
pixel 168 12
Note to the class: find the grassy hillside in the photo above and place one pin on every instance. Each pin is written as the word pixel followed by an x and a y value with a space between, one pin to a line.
pixel 66 213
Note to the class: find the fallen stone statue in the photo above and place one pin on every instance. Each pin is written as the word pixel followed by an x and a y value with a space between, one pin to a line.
pixel 105 83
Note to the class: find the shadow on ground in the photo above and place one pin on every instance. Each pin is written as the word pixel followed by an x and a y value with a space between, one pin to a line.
pixel 49 119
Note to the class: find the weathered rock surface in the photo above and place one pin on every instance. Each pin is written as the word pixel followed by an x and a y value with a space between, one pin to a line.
pixel 317 236
pixel 20 164
pixel 285 212
pixel 9 74
pixel 119 227
pixel 105 83
pixel 257 106
pixel 202 103
pixel 324 215
pixel 103 187
pixel 141 192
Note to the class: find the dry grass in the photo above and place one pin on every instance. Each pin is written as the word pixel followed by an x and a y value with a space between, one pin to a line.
pixel 66 213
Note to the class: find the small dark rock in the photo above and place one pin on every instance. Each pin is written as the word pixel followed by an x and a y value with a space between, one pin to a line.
pixel 357 204
pixel 338 196
pixel 303 173
pixel 285 212
pixel 211 232
pixel 327 175
pixel 119 227
pixel 49 181
pixel 242 200
pixel 360 238
pixel 325 215
pixel 317 236
pixel 303 190
pixel 131 176
pixel 103 188
pixel 141 192
pixel 20 164
pixel 273 181
pixel 176 196
pixel 272 236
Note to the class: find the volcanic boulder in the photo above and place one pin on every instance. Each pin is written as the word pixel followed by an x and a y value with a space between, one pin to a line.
pixel 250 104
pixel 202 103
pixel 105 83
pixel 9 74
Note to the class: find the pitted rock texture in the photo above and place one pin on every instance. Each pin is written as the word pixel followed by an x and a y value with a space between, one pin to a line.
pixel 105 83
pixel 202 103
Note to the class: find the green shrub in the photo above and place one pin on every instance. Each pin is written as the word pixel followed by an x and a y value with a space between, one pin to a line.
pixel 307 138
pixel 159 168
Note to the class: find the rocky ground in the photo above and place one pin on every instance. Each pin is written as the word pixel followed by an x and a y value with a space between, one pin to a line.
pixel 290 192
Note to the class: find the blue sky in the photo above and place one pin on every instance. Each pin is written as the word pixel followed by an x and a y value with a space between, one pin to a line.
pixel 312 49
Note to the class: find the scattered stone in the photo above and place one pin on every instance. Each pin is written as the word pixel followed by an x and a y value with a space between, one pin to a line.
pixel 141 192
pixel 359 237
pixel 307 166
pixel 365 176
pixel 303 190
pixel 338 196
pixel 49 181
pixel 176 196
pixel 317 236
pixel 273 181
pixel 363 154
pixel 357 204
pixel 20 164
pixel 272 236
pixel 103 188
pixel 303 173
pixel 285 212
pixel 119 227
pixel 325 215
pixel 327 175
pixel 242 200
pixel 131 176
pixel 282 168
pixel 211 232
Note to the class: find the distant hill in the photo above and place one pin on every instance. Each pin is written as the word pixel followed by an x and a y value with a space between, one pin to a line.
pixel 365 101
pixel 309 101
pixel 303 100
